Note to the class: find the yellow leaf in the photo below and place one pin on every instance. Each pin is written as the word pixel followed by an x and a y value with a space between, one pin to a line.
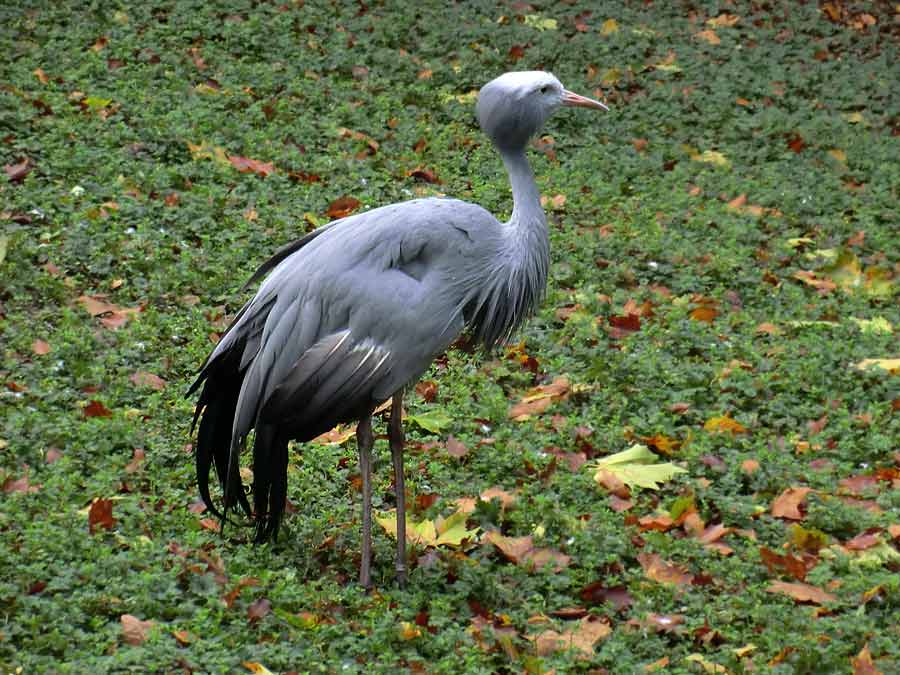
pixel 408 631
pixel 877 325
pixel 723 20
pixel 708 666
pixel 712 157
pixel 609 27
pixel 256 668
pixel 634 467
pixel 839 155
pixel 743 651
pixel 542 24
pixel 723 424
pixel 449 531
pixel 890 365
pixel 853 118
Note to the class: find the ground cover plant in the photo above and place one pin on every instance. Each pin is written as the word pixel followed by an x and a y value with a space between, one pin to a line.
pixel 722 303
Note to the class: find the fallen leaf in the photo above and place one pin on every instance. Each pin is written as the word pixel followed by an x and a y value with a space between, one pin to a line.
pixel 521 551
pixel 787 504
pixel 258 610
pixel 706 314
pixel 596 594
pixel 256 668
pixel 581 637
pixel 635 467
pixel 96 409
pixel 750 466
pixel 862 663
pixel 40 347
pixel 427 389
pixel 11 485
pixel 408 631
pixel 450 531
pixel 723 424
pixel 342 207
pixel 708 666
pixel 890 365
pixel 456 448
pixel 247 165
pixel 144 379
pixel 538 399
pixel 723 20
pixel 801 592
pixel 789 564
pixel 708 36
pixel 864 540
pixel 134 631
pixel 182 637
pixel 431 420
pixel 609 27
pixel 17 172
pixel 233 594
pixel 711 157
pixel 100 515
pixel 659 570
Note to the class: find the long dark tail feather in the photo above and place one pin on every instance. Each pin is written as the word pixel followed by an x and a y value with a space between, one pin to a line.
pixel 215 411
pixel 270 460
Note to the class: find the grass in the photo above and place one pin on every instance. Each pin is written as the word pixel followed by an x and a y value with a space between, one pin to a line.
pixel 794 106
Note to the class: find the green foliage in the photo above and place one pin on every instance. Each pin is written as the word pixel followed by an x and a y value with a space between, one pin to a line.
pixel 137 139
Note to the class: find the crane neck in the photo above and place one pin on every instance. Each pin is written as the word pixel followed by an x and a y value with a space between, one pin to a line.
pixel 527 212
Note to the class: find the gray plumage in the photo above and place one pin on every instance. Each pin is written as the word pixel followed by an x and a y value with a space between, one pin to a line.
pixel 354 311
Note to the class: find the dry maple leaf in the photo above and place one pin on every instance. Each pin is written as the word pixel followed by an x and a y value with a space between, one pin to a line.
pixel 521 551
pixel 134 631
pixel 723 424
pixel 801 592
pixel 582 637
pixel 708 36
pixel 538 399
pixel 787 504
pixel 862 663
pixel 664 572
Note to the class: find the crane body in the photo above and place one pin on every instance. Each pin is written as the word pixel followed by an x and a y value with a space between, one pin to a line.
pixel 350 314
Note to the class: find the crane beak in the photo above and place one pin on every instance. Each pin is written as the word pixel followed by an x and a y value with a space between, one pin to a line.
pixel 570 98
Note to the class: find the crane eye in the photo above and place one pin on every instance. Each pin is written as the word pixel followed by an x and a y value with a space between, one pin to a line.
pixel 545 89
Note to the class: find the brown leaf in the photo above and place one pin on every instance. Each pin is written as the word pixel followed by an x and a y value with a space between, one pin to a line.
pixel 663 572
pixel 342 207
pixel 41 75
pixel 582 637
pixel 111 316
pixel 521 551
pixel 787 504
pixel 424 175
pixel 17 172
pixel 144 379
pixel 11 485
pixel 596 594
pixel 258 609
pixel 791 565
pixel 40 347
pixel 233 594
pixel 538 399
pixel 862 663
pixel 859 485
pixel 865 540
pixel 247 165
pixel 182 637
pixel 134 631
pixel 823 286
pixel 136 461
pixel 704 313
pixel 96 409
pixel 801 592
pixel 100 515
pixel 749 466
pixel 210 524
pixel 456 448
pixel 708 36
pixel 427 389
pixel 517 52
pixel 621 326
pixel 768 328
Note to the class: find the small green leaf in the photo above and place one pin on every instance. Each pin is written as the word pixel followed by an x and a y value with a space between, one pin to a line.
pixel 539 22
pixel 96 103
pixel 433 420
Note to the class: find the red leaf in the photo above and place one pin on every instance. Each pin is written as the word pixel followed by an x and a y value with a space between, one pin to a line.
pixel 427 389
pixel 617 596
pixel 425 175
pixel 787 564
pixel 795 142
pixel 343 207
pixel 100 515
pixel 620 326
pixel 96 409
pixel 516 52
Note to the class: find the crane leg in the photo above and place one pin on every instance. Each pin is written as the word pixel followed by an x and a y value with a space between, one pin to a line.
pixel 395 434
pixel 365 440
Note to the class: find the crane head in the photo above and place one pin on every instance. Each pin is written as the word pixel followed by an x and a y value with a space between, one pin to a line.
pixel 514 107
